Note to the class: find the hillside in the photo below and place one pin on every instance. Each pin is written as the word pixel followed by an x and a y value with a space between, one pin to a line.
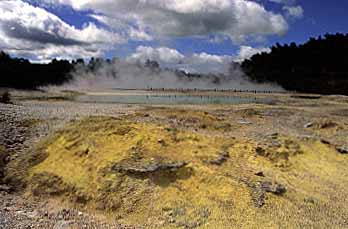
pixel 318 66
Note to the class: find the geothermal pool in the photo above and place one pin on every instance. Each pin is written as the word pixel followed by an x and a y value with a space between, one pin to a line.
pixel 163 98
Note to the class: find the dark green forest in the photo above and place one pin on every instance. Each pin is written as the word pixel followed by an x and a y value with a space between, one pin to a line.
pixel 21 74
pixel 318 66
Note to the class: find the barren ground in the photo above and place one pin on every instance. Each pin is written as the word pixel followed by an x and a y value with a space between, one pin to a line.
pixel 67 164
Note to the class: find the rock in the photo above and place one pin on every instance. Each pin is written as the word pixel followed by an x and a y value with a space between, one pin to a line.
pixel 274 135
pixel 342 150
pixel 219 160
pixel 5 98
pixel 20 213
pixel 45 214
pixel 147 168
pixel 259 198
pixel 326 142
pixel 7 159
pixel 172 220
pixel 62 224
pixel 308 125
pixel 162 142
pixel 260 151
pixel 311 200
pixel 5 188
pixel 274 188
pixel 32 215
pixel 260 174
pixel 259 190
pixel 306 137
pixel 245 122
pixel 327 124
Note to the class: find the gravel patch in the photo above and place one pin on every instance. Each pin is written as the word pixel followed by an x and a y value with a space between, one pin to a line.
pixel 22 125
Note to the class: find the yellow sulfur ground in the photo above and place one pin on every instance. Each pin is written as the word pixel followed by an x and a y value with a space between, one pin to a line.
pixel 81 161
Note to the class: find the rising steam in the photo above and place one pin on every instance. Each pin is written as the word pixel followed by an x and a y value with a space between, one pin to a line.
pixel 122 74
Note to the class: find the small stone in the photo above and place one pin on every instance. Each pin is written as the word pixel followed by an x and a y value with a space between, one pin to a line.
pixel 7 159
pixel 260 174
pixel 20 212
pixel 274 188
pixel 223 157
pixel 161 141
pixel 62 224
pixel 274 135
pixel 326 142
pixel 172 220
pixel 260 151
pixel 32 215
pixel 342 150
pixel 310 200
pixel 245 122
pixel 308 125
pixel 5 188
pixel 328 124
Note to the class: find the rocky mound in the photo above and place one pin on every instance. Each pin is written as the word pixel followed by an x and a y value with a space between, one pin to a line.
pixel 156 175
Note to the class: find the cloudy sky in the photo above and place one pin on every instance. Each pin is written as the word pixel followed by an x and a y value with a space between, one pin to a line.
pixel 192 34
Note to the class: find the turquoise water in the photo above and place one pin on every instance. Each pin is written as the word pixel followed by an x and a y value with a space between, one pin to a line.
pixel 169 99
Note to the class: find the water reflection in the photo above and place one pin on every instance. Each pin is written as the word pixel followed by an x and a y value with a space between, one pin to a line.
pixel 170 99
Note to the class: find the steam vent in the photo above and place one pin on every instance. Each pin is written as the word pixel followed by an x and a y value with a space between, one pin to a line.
pixel 174 168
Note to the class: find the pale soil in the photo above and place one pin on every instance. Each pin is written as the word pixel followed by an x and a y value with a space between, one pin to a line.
pixel 32 117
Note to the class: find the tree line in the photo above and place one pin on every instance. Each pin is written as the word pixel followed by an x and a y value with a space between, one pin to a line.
pixel 318 66
pixel 21 74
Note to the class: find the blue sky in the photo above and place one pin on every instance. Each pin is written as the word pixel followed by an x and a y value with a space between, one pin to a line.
pixel 320 17
pixel 169 31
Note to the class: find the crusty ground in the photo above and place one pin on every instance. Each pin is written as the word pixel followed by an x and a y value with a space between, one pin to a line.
pixel 289 121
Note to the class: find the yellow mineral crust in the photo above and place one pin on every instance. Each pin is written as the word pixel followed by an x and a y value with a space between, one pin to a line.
pixel 152 174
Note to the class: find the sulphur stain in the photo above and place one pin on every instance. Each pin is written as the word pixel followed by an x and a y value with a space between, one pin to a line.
pixel 150 173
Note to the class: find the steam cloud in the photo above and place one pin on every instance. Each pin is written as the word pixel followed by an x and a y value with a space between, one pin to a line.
pixel 123 74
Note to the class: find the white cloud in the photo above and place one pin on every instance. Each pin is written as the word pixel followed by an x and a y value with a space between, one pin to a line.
pixel 29 30
pixel 136 33
pixel 163 55
pixel 171 58
pixel 34 32
pixel 208 63
pixel 285 2
pixel 294 11
pixel 245 52
pixel 236 19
